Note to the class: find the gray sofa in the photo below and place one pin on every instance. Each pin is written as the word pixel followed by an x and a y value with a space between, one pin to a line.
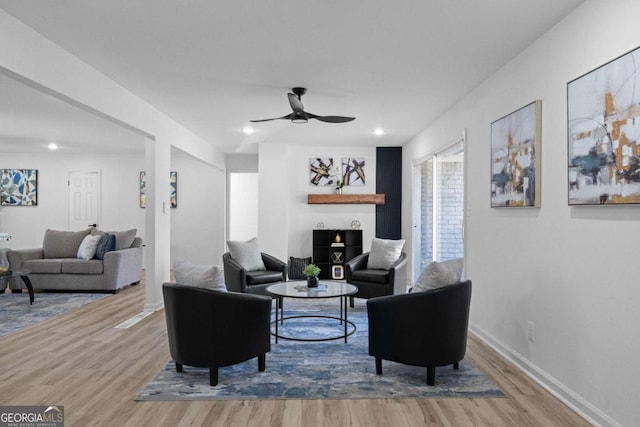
pixel 56 265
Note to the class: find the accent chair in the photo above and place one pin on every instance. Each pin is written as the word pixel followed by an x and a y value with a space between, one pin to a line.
pixel 210 328
pixel 421 328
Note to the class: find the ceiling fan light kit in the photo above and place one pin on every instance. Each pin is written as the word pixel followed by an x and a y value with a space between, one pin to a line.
pixel 299 115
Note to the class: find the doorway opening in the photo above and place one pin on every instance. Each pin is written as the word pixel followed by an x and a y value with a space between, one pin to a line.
pixel 439 207
pixel 242 221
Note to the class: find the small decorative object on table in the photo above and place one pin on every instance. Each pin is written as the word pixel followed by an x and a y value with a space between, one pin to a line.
pixel 311 271
pixel 355 224
pixel 339 185
pixel 320 225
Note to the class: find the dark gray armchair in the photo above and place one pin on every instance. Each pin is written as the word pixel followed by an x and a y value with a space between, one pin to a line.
pixel 376 283
pixel 238 279
pixel 421 329
pixel 211 329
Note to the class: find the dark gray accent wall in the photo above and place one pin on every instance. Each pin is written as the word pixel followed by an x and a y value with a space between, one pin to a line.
pixel 389 183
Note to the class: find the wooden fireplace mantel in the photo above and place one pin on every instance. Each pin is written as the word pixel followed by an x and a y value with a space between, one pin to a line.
pixel 345 199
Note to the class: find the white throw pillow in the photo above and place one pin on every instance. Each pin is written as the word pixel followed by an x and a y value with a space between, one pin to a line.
pixel 247 254
pixel 201 276
pixel 439 274
pixel 384 253
pixel 87 249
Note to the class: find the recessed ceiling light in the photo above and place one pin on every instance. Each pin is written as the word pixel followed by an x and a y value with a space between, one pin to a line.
pixel 52 146
pixel 248 130
pixel 378 131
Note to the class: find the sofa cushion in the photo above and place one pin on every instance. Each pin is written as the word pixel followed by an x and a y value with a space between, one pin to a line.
pixel 62 244
pixel 107 243
pixel 371 276
pixel 87 249
pixel 247 254
pixel 260 277
pixel 439 274
pixel 52 265
pixel 124 239
pixel 296 265
pixel 384 253
pixel 201 276
pixel 81 266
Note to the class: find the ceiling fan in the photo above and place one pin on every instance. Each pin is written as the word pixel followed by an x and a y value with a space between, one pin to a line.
pixel 301 116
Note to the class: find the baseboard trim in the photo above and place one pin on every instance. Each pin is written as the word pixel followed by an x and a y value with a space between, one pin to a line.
pixel 576 402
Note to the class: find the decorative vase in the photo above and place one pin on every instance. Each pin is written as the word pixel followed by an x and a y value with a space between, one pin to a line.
pixel 312 282
pixel 338 190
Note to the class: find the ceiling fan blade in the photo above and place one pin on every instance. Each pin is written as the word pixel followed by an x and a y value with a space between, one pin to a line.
pixel 296 104
pixel 287 117
pixel 331 119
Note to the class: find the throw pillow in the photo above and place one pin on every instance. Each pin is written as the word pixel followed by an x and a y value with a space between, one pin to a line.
pixel 384 253
pixel 87 249
pixel 247 254
pixel 124 239
pixel 201 276
pixel 439 274
pixel 62 244
pixel 107 243
pixel 296 265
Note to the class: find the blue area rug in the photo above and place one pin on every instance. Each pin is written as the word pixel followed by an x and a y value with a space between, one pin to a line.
pixel 319 370
pixel 16 313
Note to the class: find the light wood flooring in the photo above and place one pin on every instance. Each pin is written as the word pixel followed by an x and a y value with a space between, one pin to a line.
pixel 80 361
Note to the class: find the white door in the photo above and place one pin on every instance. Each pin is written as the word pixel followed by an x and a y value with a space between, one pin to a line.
pixel 84 200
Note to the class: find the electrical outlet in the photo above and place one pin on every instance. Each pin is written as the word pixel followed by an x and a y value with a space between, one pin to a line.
pixel 531 331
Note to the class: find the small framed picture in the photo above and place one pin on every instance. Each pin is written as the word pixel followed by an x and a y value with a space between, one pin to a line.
pixel 337 272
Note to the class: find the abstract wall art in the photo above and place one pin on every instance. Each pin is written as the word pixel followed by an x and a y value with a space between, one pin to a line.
pixel 603 129
pixel 322 171
pixel 19 187
pixel 515 158
pixel 173 189
pixel 353 171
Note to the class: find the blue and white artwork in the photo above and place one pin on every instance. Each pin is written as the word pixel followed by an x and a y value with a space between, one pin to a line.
pixel 19 187
pixel 603 113
pixel 173 189
pixel 515 158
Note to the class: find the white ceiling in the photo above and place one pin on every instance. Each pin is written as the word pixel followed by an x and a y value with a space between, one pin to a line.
pixel 214 65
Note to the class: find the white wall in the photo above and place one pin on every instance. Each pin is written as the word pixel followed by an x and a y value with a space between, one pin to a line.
pixel 573 271
pixel 197 225
pixel 284 212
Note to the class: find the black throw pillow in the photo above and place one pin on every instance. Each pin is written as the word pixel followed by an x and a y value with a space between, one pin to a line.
pixel 296 265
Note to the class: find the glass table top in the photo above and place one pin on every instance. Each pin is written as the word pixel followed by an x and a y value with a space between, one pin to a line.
pixel 299 289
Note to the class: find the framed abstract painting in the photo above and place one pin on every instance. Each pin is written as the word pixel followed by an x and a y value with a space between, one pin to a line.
pixel 19 187
pixel 353 171
pixel 173 189
pixel 515 158
pixel 322 171
pixel 603 131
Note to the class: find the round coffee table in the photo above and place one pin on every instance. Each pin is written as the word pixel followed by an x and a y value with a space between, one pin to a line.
pixel 325 289
pixel 24 275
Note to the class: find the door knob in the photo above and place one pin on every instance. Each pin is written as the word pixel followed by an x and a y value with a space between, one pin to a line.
pixel 92 225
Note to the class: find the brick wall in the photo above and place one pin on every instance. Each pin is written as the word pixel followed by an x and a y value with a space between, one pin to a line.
pixel 450 211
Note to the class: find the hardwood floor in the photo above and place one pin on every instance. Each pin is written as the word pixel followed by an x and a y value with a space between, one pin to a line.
pixel 80 361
